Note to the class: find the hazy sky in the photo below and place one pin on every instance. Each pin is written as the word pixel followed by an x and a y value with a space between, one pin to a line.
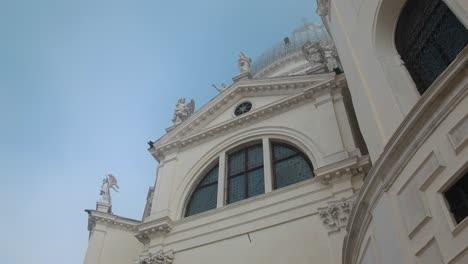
pixel 85 84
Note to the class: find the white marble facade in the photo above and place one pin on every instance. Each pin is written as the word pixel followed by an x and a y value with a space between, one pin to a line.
pixel 392 211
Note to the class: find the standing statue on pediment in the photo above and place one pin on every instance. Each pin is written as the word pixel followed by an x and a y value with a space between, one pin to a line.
pixel 183 110
pixel 110 182
pixel 244 62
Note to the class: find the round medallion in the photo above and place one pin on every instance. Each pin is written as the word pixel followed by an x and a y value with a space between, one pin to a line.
pixel 243 108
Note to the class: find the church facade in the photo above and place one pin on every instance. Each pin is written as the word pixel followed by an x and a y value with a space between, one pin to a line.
pixel 313 157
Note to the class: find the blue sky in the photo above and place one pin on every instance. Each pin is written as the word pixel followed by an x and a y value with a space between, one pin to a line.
pixel 85 84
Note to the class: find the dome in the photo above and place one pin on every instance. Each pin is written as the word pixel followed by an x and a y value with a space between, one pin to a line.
pixel 308 31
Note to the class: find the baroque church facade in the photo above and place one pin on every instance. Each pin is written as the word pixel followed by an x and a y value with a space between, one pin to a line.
pixel 343 143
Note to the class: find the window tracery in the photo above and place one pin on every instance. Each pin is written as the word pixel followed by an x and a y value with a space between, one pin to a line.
pixel 204 197
pixel 245 174
pixel 289 165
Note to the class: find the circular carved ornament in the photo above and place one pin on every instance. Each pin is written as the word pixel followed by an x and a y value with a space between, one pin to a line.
pixel 243 108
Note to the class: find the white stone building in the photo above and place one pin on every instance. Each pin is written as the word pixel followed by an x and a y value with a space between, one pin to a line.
pixel 275 170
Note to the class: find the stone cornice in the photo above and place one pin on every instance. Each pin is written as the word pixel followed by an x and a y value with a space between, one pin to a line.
pixel 433 107
pixel 95 217
pixel 310 90
pixel 151 229
pixel 351 166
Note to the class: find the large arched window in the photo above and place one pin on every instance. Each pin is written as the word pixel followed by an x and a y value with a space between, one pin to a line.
pixel 245 173
pixel 428 37
pixel 289 165
pixel 205 194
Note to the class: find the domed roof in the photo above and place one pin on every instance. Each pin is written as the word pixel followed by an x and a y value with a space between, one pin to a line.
pixel 308 31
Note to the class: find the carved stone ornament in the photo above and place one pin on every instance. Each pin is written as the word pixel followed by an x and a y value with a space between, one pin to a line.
pixel 244 62
pixel 183 111
pixel 330 55
pixel 335 215
pixel 323 7
pixel 159 257
pixel 105 203
pixel 321 53
pixel 312 52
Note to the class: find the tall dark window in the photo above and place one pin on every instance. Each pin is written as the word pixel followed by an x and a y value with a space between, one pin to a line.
pixel 245 173
pixel 289 165
pixel 204 197
pixel 457 198
pixel 428 37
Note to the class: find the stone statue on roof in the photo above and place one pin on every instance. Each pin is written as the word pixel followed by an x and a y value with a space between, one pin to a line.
pixel 183 111
pixel 110 182
pixel 244 62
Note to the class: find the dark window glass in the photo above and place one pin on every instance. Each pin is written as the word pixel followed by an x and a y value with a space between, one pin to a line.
pixel 204 197
pixel 245 173
pixel 457 198
pixel 289 165
pixel 428 37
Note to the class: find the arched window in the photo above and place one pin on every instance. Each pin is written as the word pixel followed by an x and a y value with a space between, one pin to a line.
pixel 428 37
pixel 245 173
pixel 204 196
pixel 289 165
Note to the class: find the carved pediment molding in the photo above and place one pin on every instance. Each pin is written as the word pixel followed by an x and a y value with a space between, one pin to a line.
pixel 310 91
pixel 95 217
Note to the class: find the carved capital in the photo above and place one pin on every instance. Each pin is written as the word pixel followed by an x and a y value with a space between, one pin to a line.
pixel 335 215
pixel 159 257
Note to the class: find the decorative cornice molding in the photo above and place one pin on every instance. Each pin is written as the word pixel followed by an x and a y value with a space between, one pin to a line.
pixel 447 91
pixel 155 228
pixel 335 215
pixel 351 166
pixel 311 90
pixel 95 217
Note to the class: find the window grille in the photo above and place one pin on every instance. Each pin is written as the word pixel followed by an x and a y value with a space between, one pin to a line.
pixel 204 197
pixel 245 173
pixel 243 108
pixel 428 37
pixel 457 199
pixel 289 165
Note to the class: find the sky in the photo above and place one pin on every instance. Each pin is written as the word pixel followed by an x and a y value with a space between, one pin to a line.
pixel 85 84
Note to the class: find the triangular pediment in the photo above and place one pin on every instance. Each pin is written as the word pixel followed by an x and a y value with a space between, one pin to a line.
pixel 263 94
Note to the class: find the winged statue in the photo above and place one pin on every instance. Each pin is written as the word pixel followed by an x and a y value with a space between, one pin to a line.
pixel 109 182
